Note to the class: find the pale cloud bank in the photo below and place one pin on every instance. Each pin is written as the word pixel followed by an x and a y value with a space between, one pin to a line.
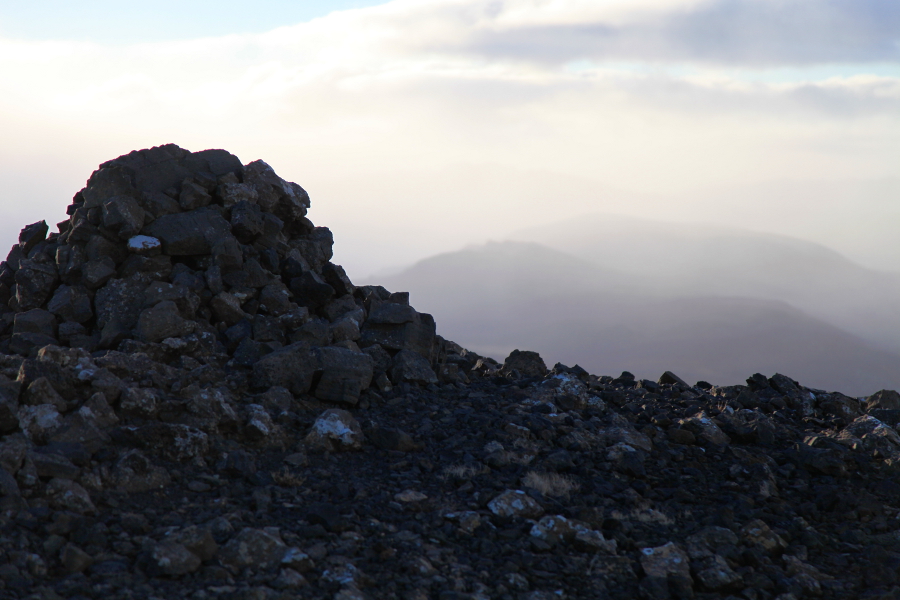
pixel 381 112
pixel 719 32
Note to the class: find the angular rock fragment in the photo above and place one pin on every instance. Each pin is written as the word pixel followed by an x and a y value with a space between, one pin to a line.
pixel 553 529
pixel 399 327
pixel 162 321
pixel 40 391
pixel 254 548
pixel 97 272
pixel 345 374
pixel 884 399
pixel 715 574
pixel 71 304
pixel 38 423
pixel 193 196
pixel 190 233
pixel 32 235
pixel 515 503
pixel 759 534
pixel 142 402
pixel 173 559
pixel 259 424
pixel 53 465
pixel 275 299
pixel 123 216
pixel 705 428
pixel 234 193
pixel 412 367
pixel 197 540
pixel 291 367
pixel 590 540
pixel 133 473
pixel 35 283
pixel 525 363
pixel 335 430
pixel 310 290
pixel 336 277
pixel 670 378
pixel 97 409
pixel 74 559
pixel 65 494
pixel 35 320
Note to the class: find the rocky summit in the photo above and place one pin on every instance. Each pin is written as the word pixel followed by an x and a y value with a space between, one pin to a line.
pixel 195 402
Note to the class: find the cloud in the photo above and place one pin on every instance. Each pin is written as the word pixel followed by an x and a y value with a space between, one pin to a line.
pixel 491 48
pixel 351 104
pixel 755 33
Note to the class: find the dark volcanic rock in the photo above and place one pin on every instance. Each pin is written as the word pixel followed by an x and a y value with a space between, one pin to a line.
pixel 195 402
pixel 526 363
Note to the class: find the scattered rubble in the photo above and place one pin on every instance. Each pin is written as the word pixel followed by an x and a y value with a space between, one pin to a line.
pixel 196 402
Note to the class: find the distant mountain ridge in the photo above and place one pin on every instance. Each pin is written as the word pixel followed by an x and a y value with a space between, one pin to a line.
pixel 684 259
pixel 500 296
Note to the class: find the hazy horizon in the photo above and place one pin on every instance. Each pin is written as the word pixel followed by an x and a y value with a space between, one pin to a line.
pixel 496 297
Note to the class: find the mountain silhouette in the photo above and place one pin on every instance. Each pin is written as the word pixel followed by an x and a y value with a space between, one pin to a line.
pixel 690 259
pixel 500 296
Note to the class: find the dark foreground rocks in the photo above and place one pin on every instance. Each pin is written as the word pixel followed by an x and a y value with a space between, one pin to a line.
pixel 195 402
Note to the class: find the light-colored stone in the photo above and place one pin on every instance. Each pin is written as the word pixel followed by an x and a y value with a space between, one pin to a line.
pixel 553 529
pixel 144 245
pixel 408 496
pixel 259 424
pixel 515 503
pixel 38 422
pixel 336 430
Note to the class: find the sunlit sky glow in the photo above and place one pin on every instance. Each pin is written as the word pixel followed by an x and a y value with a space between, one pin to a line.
pixel 420 125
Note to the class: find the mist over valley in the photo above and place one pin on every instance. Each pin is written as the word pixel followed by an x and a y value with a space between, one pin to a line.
pixel 615 293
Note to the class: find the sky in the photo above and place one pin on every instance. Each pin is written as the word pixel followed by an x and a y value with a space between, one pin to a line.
pixel 113 22
pixel 420 126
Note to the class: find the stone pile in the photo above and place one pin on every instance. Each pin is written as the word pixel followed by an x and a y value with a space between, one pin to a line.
pixel 195 402
pixel 172 267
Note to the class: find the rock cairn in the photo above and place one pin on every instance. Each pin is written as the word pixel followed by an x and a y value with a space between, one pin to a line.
pixel 175 265
pixel 195 402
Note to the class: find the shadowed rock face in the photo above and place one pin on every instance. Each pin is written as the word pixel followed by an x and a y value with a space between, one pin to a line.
pixel 195 402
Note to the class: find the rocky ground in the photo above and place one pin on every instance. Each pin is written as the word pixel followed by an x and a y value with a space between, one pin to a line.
pixel 195 402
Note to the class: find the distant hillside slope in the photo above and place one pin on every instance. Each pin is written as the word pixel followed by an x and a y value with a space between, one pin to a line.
pixel 499 296
pixel 694 259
